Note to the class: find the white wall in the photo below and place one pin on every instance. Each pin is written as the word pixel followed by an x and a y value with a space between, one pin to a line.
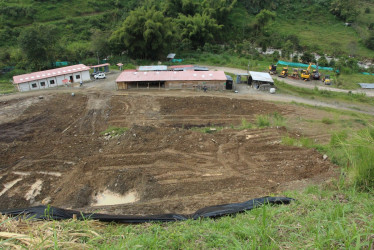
pixel 26 86
pixel 85 76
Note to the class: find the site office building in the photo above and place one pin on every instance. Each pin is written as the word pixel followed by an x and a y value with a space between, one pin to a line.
pixel 52 78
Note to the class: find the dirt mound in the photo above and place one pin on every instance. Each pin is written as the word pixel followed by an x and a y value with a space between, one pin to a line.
pixel 54 153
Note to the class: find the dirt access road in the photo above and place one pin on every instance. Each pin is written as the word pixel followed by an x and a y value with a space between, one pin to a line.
pixel 245 89
pixel 53 152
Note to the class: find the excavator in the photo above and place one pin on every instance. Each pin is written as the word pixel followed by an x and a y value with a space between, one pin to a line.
pixel 284 72
pixel 273 69
pixel 305 73
pixel 295 74
pixel 316 74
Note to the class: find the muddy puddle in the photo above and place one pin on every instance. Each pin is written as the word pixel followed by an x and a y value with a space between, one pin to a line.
pixel 108 198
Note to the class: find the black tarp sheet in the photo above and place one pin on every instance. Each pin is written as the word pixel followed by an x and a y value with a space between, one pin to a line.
pixel 54 213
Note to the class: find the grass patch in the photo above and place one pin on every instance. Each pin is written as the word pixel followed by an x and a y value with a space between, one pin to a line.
pixel 115 131
pixel 328 121
pixel 245 125
pixel 6 87
pixel 299 142
pixel 321 218
pixel 322 94
pixel 356 152
pixel 262 121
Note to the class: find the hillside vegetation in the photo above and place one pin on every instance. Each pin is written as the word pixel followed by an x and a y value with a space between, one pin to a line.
pixel 36 33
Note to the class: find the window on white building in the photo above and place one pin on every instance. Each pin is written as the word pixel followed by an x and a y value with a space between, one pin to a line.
pixel 52 81
pixel 42 84
pixel 33 85
pixel 77 77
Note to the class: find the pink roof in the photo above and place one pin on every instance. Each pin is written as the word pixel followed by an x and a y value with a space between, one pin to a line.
pixel 100 65
pixel 127 76
pixel 180 66
pixel 49 73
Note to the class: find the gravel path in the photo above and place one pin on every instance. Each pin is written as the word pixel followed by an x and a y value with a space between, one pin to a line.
pixel 244 89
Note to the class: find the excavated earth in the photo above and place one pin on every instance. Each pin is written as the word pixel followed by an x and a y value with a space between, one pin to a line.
pixel 53 152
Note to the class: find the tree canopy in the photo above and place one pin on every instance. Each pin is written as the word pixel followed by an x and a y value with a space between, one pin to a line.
pixel 39 45
pixel 145 33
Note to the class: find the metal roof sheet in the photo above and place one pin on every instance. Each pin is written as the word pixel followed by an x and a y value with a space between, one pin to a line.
pixel 100 65
pixel 171 56
pixel 153 68
pixel 49 73
pixel 261 76
pixel 171 76
pixel 367 85
pixel 180 66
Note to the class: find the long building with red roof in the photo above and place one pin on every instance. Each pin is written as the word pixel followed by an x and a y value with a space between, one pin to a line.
pixel 214 80
pixel 52 78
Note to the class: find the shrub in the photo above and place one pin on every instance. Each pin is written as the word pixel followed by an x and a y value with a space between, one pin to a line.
pixel 113 131
pixel 326 120
pixel 246 124
pixel 263 121
pixel 278 120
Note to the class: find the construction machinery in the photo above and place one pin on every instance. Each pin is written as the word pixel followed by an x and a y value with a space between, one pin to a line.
pixel 316 75
pixel 273 69
pixel 295 74
pixel 326 80
pixel 305 73
pixel 284 72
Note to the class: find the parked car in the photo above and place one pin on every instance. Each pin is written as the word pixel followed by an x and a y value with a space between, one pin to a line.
pixel 95 73
pixel 100 76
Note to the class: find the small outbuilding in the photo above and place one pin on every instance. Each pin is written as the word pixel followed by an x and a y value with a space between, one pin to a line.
pixel 211 80
pixel 52 78
pixel 260 80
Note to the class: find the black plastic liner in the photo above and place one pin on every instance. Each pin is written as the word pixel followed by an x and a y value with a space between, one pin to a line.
pixel 54 213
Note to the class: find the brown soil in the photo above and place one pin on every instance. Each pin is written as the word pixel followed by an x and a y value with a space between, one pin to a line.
pixel 170 167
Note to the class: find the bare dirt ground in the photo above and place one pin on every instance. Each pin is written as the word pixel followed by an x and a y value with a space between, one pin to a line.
pixel 52 150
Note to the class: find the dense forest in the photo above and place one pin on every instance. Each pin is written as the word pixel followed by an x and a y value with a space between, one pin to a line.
pixel 36 33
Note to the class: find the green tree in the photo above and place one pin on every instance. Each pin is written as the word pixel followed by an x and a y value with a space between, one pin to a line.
pixel 100 44
pixel 145 33
pixel 173 8
pixel 345 9
pixel 218 9
pixel 322 61
pixel 39 44
pixel 198 29
pixel 307 57
pixel 369 42
pixel 262 19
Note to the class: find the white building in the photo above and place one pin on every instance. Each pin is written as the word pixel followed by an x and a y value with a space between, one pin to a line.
pixel 52 78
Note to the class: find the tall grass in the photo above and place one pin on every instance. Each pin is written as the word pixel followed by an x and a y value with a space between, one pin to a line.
pixel 359 150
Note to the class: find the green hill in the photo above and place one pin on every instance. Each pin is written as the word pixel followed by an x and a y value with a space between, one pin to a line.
pixel 85 29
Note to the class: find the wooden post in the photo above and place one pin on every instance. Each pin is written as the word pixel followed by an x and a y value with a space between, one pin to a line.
pixel 74 216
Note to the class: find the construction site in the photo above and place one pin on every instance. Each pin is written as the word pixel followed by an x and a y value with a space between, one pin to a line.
pixel 56 149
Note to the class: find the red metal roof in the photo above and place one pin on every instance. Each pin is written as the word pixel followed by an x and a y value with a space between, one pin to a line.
pixel 171 76
pixel 49 73
pixel 180 66
pixel 100 65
